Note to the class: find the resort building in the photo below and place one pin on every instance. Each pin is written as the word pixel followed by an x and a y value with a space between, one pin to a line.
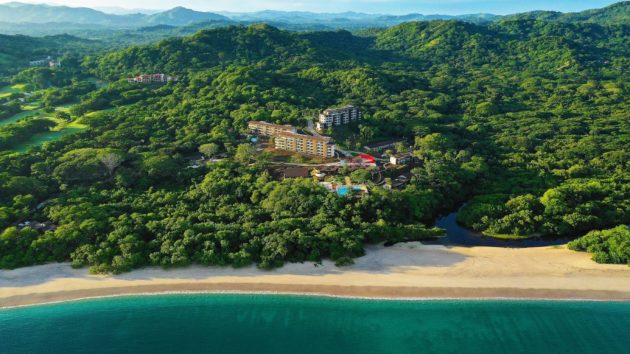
pixel 149 79
pixel 54 64
pixel 383 145
pixel 48 61
pixel 305 144
pixel 296 172
pixel 401 159
pixel 338 116
pixel 269 129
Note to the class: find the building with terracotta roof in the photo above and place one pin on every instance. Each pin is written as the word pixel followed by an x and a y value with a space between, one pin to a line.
pixel 305 144
pixel 269 129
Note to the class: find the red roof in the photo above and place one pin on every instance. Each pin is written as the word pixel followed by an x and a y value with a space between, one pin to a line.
pixel 368 157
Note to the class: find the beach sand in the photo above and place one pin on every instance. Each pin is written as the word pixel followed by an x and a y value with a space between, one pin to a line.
pixel 410 270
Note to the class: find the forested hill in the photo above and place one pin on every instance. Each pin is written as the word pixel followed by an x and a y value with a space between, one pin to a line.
pixel 524 122
pixel 17 51
pixel 37 20
pixel 618 13
pixel 516 44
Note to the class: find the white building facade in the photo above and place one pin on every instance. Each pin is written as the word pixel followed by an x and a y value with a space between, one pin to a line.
pixel 338 116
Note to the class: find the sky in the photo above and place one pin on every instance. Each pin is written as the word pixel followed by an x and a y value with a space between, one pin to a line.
pixel 449 7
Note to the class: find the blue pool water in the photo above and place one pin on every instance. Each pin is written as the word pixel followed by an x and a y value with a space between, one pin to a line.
pixel 343 190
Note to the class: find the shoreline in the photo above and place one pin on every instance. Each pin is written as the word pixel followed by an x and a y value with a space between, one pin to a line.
pixel 63 297
pixel 411 271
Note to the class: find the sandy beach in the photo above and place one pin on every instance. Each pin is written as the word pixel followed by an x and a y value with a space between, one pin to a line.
pixel 410 270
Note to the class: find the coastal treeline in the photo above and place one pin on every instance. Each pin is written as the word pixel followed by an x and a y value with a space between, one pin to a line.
pixel 524 120
pixel 231 215
pixel 607 246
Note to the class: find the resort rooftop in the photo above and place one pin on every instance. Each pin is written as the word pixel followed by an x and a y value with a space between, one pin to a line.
pixel 324 139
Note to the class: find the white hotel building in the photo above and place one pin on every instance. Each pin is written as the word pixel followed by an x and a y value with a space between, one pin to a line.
pixel 338 116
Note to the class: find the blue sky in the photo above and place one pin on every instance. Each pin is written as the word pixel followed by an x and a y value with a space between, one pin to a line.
pixel 453 7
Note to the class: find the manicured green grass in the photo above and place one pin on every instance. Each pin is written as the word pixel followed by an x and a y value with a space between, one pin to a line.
pixel 509 237
pixel 8 90
pixel 33 105
pixel 64 108
pixel 77 124
pixel 62 128
pixel 95 113
pixel 41 138
pixel 33 109
pixel 18 117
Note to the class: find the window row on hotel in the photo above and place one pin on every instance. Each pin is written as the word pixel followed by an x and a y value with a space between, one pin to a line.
pixel 338 116
pixel 286 138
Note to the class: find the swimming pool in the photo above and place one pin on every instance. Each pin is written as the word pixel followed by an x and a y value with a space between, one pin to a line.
pixel 343 190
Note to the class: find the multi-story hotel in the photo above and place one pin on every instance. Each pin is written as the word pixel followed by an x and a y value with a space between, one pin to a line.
pixel 305 144
pixel 148 79
pixel 268 129
pixel 338 116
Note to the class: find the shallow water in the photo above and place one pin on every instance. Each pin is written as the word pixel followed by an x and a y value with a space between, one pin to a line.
pixel 231 323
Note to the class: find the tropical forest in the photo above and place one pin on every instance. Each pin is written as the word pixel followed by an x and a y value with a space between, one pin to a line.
pixel 521 124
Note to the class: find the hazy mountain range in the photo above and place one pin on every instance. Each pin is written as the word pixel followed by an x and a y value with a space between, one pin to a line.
pixel 30 19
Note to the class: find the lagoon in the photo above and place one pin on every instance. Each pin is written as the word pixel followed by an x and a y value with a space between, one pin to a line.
pixel 457 235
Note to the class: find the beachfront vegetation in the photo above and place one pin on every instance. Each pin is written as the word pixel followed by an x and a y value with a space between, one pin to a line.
pixel 525 120
pixel 607 246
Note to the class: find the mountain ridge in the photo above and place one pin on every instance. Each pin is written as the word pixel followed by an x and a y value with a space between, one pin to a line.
pixel 16 12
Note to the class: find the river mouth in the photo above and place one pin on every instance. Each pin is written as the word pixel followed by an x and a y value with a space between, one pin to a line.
pixel 456 235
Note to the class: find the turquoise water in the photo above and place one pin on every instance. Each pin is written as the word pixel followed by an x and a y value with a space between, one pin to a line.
pixel 295 324
pixel 344 190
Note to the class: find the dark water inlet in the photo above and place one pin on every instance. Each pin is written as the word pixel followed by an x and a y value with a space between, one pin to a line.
pixel 460 236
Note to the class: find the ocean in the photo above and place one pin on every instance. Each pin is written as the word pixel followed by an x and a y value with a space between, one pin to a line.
pixel 248 323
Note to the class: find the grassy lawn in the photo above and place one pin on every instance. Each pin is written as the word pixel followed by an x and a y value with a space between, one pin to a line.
pixel 77 124
pixel 19 116
pixel 8 90
pixel 509 237
pixel 63 127
pixel 95 113
pixel 64 124
pixel 30 106
pixel 41 138
pixel 32 109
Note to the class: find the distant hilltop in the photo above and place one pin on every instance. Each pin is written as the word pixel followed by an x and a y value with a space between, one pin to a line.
pixel 16 12
pixel 21 13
